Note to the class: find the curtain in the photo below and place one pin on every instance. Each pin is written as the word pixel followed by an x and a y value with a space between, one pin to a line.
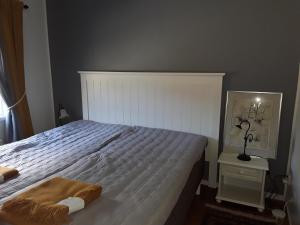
pixel 12 81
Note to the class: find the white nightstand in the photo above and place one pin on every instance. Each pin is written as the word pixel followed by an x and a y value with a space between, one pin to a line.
pixel 242 182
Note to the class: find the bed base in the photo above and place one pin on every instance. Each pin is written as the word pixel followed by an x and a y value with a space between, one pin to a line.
pixel 180 211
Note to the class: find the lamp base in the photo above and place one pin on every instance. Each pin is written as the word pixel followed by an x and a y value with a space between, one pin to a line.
pixel 244 157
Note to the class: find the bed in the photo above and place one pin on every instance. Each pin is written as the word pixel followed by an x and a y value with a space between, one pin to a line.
pixel 47 153
pixel 149 167
pixel 142 170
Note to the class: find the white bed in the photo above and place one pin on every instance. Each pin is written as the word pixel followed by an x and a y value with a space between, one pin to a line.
pixel 188 102
pixel 143 171
pixel 142 174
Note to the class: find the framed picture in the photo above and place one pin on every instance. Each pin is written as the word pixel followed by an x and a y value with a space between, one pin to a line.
pixel 262 111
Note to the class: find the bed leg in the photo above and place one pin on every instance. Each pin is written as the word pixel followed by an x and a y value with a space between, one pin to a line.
pixel 198 190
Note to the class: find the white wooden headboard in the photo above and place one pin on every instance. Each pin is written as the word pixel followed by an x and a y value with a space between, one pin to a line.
pixel 187 102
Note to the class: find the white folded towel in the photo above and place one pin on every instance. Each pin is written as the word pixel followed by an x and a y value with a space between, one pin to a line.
pixel 1 179
pixel 74 203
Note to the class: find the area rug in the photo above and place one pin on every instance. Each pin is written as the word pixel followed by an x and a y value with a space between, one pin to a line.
pixel 218 215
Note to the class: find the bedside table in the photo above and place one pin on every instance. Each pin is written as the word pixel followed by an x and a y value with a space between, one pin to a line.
pixel 242 182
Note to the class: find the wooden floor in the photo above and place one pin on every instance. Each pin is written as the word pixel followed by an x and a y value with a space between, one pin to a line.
pixel 207 195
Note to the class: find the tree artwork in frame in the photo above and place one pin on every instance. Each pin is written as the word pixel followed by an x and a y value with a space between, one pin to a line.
pixel 262 110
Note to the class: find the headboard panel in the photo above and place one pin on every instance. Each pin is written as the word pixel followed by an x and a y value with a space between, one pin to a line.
pixel 187 102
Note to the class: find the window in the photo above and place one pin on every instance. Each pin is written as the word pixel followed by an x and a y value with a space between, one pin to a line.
pixel 3 108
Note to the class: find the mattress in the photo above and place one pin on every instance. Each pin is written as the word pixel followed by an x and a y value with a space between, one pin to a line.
pixel 142 173
pixel 47 153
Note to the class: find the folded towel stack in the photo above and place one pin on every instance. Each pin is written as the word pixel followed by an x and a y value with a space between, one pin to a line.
pixel 7 173
pixel 50 203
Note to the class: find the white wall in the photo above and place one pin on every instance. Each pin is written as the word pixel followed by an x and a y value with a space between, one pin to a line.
pixel 37 66
pixel 294 188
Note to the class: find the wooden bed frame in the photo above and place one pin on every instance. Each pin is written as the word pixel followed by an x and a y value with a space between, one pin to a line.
pixel 188 102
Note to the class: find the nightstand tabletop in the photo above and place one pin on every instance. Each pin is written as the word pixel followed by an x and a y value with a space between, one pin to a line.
pixel 254 163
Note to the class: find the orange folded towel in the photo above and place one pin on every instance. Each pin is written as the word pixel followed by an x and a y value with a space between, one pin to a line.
pixel 7 173
pixel 38 206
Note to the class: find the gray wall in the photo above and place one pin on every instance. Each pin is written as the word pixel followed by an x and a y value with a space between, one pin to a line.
pixel 255 42
pixel 294 188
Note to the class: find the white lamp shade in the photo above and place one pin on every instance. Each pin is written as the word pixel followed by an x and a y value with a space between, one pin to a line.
pixel 63 114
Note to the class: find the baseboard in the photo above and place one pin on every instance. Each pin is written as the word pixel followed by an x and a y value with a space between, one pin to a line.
pixel 277 197
pixel 204 182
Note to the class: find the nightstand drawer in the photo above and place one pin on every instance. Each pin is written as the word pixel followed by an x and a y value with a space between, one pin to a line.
pixel 247 173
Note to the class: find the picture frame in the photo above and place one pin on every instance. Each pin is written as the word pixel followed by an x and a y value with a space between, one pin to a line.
pixel 262 110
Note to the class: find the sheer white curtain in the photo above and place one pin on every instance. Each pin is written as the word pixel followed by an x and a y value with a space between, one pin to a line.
pixel 3 108
pixel 3 113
